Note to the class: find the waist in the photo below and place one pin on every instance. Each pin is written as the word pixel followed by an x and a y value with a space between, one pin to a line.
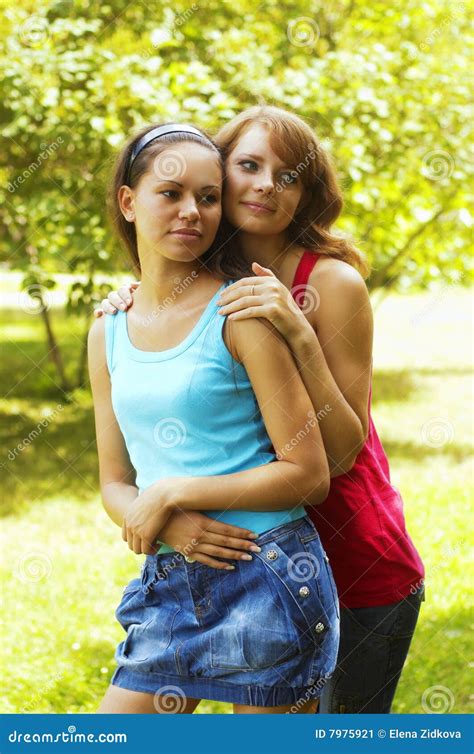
pixel 257 521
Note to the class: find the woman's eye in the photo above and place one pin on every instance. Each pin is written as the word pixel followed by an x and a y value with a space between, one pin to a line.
pixel 210 199
pixel 248 164
pixel 289 178
pixel 170 194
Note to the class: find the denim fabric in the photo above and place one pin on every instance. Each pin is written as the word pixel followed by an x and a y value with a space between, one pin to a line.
pixel 373 648
pixel 264 634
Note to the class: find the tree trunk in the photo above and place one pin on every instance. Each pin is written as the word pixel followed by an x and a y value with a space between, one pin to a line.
pixel 81 368
pixel 54 351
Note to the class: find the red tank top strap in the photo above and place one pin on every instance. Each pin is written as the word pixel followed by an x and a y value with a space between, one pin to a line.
pixel 303 271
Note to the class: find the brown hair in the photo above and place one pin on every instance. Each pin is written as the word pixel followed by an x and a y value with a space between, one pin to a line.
pixel 295 143
pixel 223 258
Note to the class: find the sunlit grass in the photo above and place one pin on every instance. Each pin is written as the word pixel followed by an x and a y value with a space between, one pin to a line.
pixel 64 563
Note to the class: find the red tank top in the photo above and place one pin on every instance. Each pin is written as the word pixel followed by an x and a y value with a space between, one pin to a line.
pixel 361 522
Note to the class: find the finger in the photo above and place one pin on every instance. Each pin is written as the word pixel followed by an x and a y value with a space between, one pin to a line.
pixel 262 271
pixel 124 293
pixel 222 552
pixel 134 285
pixel 137 544
pixel 234 543
pixel 206 560
pixel 116 300
pixel 253 311
pixel 227 530
pixel 242 283
pixel 149 548
pixel 108 308
pixel 242 303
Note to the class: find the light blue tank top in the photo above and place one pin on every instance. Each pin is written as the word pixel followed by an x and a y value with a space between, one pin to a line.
pixel 190 411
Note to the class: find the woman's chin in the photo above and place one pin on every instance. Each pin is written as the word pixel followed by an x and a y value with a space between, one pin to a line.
pixel 251 224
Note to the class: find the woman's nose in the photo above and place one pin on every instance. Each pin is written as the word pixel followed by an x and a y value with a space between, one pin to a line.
pixel 189 212
pixel 266 184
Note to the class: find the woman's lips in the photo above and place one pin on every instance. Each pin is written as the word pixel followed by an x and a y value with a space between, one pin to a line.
pixel 188 235
pixel 258 207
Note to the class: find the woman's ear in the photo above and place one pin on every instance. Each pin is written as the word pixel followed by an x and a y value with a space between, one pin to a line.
pixel 126 200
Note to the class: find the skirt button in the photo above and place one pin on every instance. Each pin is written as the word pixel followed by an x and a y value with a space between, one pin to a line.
pixel 319 627
pixel 272 555
pixel 303 591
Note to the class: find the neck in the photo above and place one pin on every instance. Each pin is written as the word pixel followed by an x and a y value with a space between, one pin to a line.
pixel 161 278
pixel 269 251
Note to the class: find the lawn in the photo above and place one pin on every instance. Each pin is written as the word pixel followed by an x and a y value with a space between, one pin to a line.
pixel 64 563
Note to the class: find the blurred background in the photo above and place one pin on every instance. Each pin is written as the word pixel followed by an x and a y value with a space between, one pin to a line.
pixel 387 90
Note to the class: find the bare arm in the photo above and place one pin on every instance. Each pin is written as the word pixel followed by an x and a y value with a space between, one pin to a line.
pixel 117 475
pixel 334 357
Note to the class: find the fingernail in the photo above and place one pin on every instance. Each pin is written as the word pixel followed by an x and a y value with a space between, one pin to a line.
pixel 122 306
pixel 255 548
pixel 254 536
pixel 246 557
pixel 229 568
pixel 129 301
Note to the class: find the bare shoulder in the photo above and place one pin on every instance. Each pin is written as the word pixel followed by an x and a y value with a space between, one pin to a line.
pixel 97 332
pixel 338 276
pixel 96 341
pixel 256 335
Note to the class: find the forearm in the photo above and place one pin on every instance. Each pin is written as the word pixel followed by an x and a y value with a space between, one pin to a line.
pixel 273 486
pixel 341 428
pixel 117 498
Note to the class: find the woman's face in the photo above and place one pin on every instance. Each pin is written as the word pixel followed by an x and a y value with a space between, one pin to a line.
pixel 262 194
pixel 176 205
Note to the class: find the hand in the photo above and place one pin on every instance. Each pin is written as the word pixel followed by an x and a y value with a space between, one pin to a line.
pixel 121 299
pixel 263 296
pixel 198 536
pixel 146 516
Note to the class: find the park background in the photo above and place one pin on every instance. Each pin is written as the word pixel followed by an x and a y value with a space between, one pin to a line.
pixel 386 87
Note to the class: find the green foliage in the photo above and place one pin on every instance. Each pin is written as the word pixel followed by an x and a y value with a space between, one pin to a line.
pixel 386 88
pixel 373 81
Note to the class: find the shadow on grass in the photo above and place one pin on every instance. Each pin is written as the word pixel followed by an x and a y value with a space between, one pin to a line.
pixel 61 459
pixel 398 386
pixel 410 451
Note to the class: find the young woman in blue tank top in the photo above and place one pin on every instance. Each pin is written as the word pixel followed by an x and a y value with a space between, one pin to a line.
pixel 192 414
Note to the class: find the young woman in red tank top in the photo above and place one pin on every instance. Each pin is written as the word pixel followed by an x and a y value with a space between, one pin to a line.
pixel 282 196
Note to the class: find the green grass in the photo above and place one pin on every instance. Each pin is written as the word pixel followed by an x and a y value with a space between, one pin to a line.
pixel 64 563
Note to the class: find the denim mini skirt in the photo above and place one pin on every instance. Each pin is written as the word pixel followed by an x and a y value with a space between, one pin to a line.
pixel 265 634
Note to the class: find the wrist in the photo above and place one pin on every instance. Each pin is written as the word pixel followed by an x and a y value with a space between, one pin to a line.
pixel 171 493
pixel 303 339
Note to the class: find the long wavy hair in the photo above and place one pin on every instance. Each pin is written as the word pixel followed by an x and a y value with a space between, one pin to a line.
pixel 294 141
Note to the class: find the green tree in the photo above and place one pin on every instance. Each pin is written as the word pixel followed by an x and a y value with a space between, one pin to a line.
pixel 385 87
